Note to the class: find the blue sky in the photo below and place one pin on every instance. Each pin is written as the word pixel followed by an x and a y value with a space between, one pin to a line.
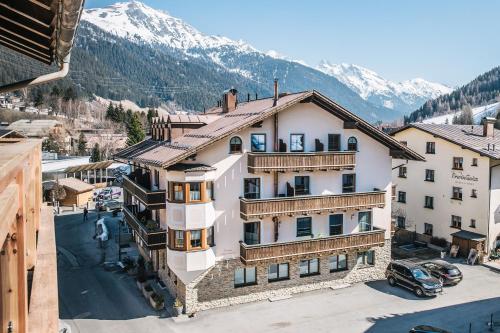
pixel 449 41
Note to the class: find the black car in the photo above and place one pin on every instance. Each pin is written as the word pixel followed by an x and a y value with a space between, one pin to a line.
pixel 449 274
pixel 427 329
pixel 412 276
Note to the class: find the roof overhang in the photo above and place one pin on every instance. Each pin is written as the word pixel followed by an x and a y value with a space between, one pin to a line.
pixel 43 30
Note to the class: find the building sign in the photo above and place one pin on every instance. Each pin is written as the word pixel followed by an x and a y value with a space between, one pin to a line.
pixel 464 179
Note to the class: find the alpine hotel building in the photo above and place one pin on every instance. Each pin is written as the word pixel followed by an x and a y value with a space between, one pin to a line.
pixel 267 198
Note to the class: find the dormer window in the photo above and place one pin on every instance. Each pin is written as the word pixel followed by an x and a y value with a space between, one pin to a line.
pixel 235 146
pixel 352 144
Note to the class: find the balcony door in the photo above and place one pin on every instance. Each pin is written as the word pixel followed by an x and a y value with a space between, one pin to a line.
pixel 336 224
pixel 365 221
pixel 251 188
pixel 251 233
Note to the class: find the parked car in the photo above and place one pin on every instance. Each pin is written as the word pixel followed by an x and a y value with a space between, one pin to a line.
pixel 427 329
pixel 447 273
pixel 414 277
pixel 109 205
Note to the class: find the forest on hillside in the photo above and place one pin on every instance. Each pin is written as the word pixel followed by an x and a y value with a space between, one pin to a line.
pixel 483 90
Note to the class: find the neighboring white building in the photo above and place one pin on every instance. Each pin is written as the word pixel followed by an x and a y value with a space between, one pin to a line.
pixel 455 193
pixel 275 196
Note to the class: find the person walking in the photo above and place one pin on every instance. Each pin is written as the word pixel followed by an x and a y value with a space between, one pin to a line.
pixel 85 214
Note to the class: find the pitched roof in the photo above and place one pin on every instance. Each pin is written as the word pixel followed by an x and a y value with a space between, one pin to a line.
pixel 467 136
pixel 191 119
pixel 34 128
pixel 75 185
pixel 8 133
pixel 164 154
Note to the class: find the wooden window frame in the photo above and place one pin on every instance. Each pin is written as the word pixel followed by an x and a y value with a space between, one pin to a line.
pixel 355 142
pixel 231 145
pixel 310 226
pixel 430 172
pixel 457 190
pixel 458 220
pixel 430 147
pixel 331 142
pixel 265 143
pixel 259 185
pixel 402 195
pixel 426 205
pixel 458 163
pixel 258 231
pixel 403 171
pixel 353 185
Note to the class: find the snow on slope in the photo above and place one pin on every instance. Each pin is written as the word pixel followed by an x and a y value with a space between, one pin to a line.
pixel 371 86
pixel 140 23
pixel 478 113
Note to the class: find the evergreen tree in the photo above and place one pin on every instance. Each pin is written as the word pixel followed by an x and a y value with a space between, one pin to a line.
pixel 497 123
pixel 96 154
pixel 81 145
pixel 467 116
pixel 128 117
pixel 50 144
pixel 135 131
pixel 39 99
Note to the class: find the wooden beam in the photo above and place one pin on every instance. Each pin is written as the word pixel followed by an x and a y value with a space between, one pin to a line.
pixel 350 124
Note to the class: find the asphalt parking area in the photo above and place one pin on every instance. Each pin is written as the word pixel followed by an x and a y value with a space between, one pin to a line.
pixel 369 307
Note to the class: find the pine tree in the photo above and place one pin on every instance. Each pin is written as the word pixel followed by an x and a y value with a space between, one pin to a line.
pixel 50 144
pixel 96 154
pixel 467 116
pixel 135 131
pixel 39 99
pixel 81 145
pixel 128 117
pixel 110 112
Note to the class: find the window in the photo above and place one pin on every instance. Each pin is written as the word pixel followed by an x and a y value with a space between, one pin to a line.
pixel 473 193
pixel 251 187
pixel 245 276
pixel 365 221
pixel 458 163
pixel 156 178
pixel 402 196
pixel 194 192
pixel 277 272
pixel 210 190
pixel 472 223
pixel 178 191
pixel 352 144
pixel 235 145
pixel 457 193
pixel 429 175
pixel 210 236
pixel 179 239
pixel 430 148
pixel 474 161
pixel 251 233
pixel 304 226
pixel 338 263
pixel 349 183
pixel 402 172
pixel 333 142
pixel 366 258
pixel 301 185
pixel 404 143
pixel 336 222
pixel 195 238
pixel 428 229
pixel 401 222
pixel 456 222
pixel 309 267
pixel 429 202
pixel 258 142
pixel 296 142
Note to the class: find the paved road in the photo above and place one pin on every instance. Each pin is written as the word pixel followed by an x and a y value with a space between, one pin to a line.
pixel 93 300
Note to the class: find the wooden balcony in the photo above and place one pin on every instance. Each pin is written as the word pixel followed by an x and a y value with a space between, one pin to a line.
pixel 362 240
pixel 289 162
pixel 310 204
pixel 152 199
pixel 153 239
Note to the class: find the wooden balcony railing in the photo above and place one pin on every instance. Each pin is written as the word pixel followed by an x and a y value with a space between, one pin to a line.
pixel 309 204
pixel 152 199
pixel 313 161
pixel 154 239
pixel 253 253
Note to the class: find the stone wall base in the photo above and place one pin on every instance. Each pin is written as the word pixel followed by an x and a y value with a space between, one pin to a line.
pixel 215 287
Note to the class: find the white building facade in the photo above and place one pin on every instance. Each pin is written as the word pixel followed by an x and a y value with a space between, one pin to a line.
pixel 454 194
pixel 277 196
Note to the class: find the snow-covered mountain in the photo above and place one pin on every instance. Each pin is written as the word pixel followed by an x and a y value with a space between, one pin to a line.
pixel 138 22
pixel 406 96
pixel 129 50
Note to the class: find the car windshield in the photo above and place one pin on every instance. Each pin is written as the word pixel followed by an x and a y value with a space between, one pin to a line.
pixel 453 272
pixel 420 274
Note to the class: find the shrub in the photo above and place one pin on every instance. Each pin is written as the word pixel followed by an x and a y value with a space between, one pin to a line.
pixel 439 241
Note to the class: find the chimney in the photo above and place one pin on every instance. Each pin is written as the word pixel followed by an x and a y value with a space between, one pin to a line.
pixel 229 100
pixel 276 93
pixel 488 126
